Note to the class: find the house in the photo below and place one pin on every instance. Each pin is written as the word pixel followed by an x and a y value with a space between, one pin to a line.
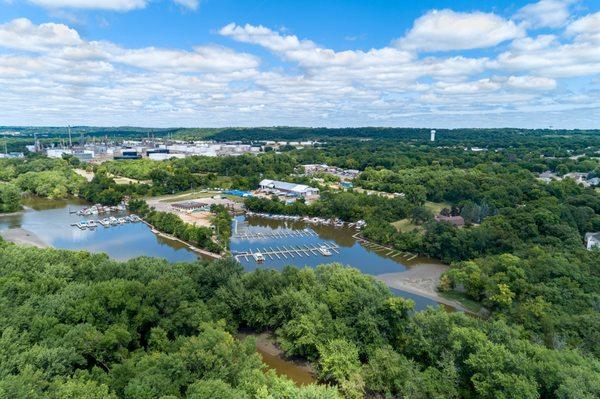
pixel 548 176
pixel 293 189
pixel 457 221
pixel 594 181
pixel 580 178
pixel 592 240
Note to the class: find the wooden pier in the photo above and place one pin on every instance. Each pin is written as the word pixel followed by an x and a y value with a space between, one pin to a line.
pixel 288 251
pixel 274 234
pixel 387 251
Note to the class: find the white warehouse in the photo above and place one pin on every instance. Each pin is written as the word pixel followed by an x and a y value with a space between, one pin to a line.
pixel 300 190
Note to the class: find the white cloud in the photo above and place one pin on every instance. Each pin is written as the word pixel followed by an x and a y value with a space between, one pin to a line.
pixel 532 82
pixel 444 30
pixel 545 14
pixel 546 56
pixel 202 59
pixel 586 29
pixel 22 34
pixel 533 44
pixel 191 4
pixel 51 75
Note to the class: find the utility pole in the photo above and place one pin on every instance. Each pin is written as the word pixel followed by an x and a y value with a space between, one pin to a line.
pixel 70 141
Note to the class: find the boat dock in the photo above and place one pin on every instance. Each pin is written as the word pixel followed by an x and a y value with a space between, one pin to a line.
pixel 387 251
pixel 275 234
pixel 289 252
pixel 106 222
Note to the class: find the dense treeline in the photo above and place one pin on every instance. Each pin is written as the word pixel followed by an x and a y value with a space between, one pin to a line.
pixel 348 206
pixel 242 172
pixel 40 176
pixel 10 198
pixel 80 325
pixel 201 237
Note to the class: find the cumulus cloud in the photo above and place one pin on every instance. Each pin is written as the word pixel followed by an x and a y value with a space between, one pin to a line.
pixel 202 59
pixel 532 82
pixel 586 29
pixel 444 30
pixel 51 75
pixel 546 56
pixel 544 14
pixel 23 34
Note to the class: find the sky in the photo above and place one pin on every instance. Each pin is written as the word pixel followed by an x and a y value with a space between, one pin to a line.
pixel 218 63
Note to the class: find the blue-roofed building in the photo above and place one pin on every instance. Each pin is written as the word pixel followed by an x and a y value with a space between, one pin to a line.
pixel 238 193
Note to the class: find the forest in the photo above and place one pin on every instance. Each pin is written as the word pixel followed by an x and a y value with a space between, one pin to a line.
pixel 80 325
pixel 76 323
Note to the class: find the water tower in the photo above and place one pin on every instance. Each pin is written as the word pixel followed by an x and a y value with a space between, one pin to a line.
pixel 433 135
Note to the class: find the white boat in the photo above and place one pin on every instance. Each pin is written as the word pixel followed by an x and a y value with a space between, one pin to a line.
pixel 324 250
pixel 113 220
pixel 82 225
pixel 121 220
pixel 258 257
pixel 92 224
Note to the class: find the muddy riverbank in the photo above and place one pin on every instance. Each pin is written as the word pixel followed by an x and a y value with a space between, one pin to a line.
pixel 421 279
pixel 23 237
pixel 301 372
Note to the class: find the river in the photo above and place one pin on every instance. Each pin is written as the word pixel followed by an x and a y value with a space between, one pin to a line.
pixel 51 222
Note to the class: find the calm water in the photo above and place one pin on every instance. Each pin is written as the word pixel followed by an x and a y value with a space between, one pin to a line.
pixel 51 222
pixel 351 252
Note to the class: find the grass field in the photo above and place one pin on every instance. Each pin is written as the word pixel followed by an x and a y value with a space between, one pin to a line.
pixel 436 207
pixel 405 225
pixel 191 196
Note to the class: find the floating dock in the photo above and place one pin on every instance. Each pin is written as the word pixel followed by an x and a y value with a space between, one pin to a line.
pixel 391 252
pixel 106 222
pixel 288 252
pixel 274 234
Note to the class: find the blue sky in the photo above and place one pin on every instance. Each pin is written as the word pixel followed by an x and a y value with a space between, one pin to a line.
pixel 309 63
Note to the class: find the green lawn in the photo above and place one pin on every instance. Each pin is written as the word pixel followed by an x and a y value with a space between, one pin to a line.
pixel 405 225
pixel 191 196
pixel 436 207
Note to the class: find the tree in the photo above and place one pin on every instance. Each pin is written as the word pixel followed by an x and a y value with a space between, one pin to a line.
pixel 338 360
pixel 10 198
pixel 421 215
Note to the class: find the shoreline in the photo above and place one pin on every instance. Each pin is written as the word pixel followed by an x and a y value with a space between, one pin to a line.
pixel 300 371
pixel 22 236
pixel 190 246
pixel 421 279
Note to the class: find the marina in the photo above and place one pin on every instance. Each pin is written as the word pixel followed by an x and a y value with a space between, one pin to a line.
pixel 275 234
pixel 52 222
pixel 106 222
pixel 286 252
pixel 257 242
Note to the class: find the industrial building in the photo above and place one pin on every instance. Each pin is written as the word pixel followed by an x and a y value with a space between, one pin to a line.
pixel 293 189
